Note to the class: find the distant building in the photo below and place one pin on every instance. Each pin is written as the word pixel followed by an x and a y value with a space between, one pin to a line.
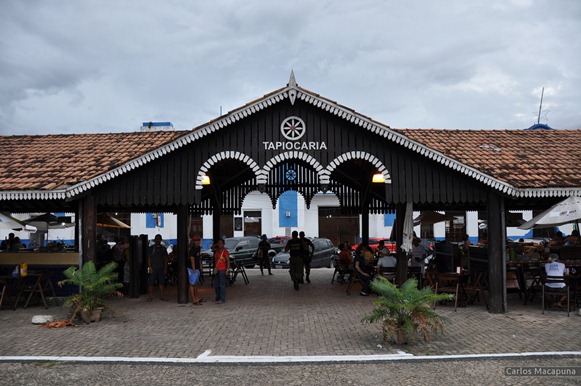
pixel 157 126
pixel 540 126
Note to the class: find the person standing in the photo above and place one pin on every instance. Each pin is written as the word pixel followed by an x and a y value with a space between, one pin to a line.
pixel 157 264
pixel 307 254
pixel 262 253
pixel 222 266
pixel 294 247
pixel 195 264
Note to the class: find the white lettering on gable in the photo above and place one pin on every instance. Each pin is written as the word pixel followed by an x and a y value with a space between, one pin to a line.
pixel 294 145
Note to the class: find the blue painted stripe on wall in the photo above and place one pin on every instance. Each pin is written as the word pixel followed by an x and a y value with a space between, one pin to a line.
pixel 150 221
pixel 388 219
pixel 288 202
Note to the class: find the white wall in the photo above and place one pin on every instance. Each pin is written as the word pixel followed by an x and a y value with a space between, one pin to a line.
pixel 168 232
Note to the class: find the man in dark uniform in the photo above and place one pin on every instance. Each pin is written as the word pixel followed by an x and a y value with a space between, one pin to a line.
pixel 294 247
pixel 307 254
pixel 157 264
pixel 262 253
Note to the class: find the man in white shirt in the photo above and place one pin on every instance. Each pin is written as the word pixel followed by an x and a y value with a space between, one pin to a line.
pixel 387 261
pixel 556 269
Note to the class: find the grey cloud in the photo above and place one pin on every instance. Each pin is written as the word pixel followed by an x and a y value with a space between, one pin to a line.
pixel 108 65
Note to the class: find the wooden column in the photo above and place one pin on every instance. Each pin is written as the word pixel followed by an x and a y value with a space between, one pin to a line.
pixel 496 253
pixel 88 229
pixel 216 200
pixel 366 193
pixel 216 215
pixel 365 224
pixel 183 244
pixel 402 258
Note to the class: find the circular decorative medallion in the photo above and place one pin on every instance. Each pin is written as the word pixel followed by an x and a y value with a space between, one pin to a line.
pixel 290 175
pixel 293 128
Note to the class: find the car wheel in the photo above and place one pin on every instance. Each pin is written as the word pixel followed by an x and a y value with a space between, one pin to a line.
pixel 249 266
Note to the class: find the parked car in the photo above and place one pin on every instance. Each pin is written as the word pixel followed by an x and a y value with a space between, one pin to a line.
pixel 277 244
pixel 242 250
pixel 322 257
pixel 374 243
pixel 279 240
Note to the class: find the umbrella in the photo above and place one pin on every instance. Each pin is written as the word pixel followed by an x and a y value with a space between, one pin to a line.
pixel 7 221
pixel 512 220
pixel 408 228
pixel 431 217
pixel 48 221
pixel 565 212
pixel 107 221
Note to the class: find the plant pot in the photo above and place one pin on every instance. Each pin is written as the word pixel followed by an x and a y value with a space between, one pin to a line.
pixel 94 315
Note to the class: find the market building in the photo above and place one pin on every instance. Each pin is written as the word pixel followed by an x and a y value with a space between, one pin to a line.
pixel 290 140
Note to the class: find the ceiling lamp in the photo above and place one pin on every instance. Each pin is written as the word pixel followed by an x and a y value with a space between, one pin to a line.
pixel 378 178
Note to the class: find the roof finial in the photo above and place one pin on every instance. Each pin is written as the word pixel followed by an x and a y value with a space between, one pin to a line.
pixel 292 82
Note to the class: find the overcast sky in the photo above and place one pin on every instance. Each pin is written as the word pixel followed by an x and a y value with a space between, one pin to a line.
pixel 107 66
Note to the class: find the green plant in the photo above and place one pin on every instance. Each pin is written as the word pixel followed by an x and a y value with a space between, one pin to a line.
pixel 95 285
pixel 405 313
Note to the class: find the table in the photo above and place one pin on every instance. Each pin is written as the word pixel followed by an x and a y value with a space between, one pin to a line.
pixel 236 267
pixel 33 283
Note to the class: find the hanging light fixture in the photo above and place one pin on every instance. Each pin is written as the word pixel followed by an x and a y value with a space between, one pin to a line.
pixel 206 180
pixel 378 178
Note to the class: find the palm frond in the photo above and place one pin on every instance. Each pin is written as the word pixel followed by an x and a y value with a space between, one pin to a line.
pixel 405 312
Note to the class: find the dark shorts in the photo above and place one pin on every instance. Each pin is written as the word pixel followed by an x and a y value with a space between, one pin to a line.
pixel 156 276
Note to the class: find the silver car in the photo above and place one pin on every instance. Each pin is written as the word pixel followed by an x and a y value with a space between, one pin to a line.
pixel 322 257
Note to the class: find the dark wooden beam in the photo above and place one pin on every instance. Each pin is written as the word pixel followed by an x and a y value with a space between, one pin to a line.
pixel 183 243
pixel 402 258
pixel 88 228
pixel 496 253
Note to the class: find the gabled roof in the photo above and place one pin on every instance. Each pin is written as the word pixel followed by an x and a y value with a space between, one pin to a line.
pixel 544 162
pixel 60 166
pixel 36 165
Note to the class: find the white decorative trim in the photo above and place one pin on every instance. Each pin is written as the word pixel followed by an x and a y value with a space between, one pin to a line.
pixel 59 194
pixel 292 91
pixel 296 155
pixel 226 155
pixel 358 155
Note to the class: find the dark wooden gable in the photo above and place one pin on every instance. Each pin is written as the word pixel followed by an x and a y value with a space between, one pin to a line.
pixel 170 180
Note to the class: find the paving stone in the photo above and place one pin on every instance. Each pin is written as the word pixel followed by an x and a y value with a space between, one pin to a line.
pixel 268 317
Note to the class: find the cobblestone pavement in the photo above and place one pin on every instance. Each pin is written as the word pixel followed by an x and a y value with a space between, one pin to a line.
pixel 269 318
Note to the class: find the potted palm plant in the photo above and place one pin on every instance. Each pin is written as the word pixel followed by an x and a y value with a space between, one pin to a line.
pixel 95 287
pixel 405 313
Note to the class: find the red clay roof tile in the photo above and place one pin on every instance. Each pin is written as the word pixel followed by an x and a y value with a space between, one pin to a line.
pixel 44 162
pixel 522 158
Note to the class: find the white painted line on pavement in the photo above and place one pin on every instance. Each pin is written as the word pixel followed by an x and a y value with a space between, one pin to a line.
pixel 206 358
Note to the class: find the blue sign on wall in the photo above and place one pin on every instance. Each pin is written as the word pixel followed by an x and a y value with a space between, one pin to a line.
pixel 388 219
pixel 288 214
pixel 154 220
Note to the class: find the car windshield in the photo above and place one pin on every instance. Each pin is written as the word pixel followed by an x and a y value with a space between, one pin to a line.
pixel 231 244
